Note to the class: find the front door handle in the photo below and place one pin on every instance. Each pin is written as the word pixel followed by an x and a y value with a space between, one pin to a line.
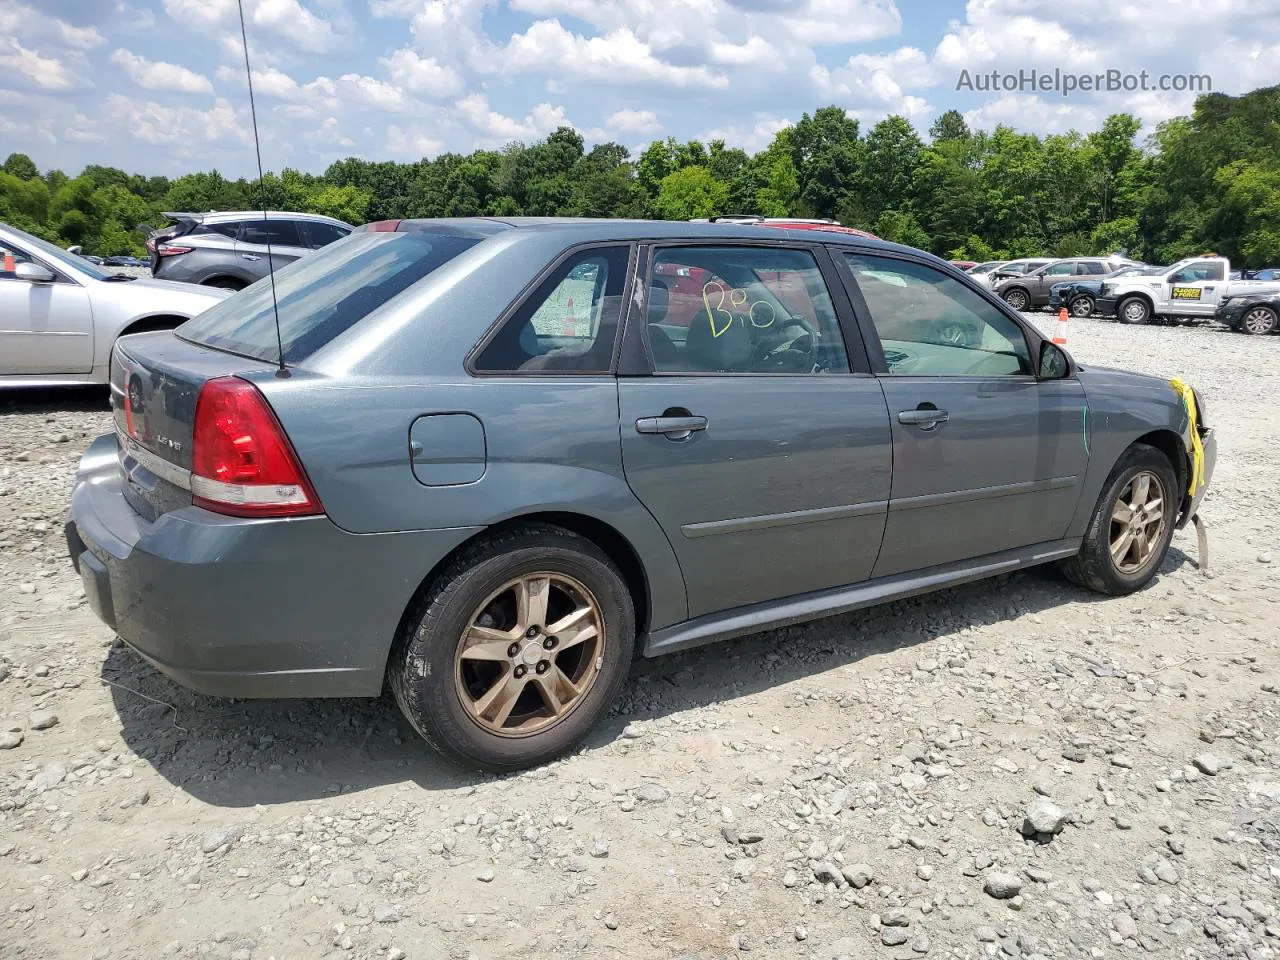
pixel 925 419
pixel 250 256
pixel 676 428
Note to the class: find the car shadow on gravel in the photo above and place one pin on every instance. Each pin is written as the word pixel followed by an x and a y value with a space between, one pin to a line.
pixel 238 753
pixel 87 399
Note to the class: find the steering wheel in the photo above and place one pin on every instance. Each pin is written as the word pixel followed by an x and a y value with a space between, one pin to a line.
pixel 793 348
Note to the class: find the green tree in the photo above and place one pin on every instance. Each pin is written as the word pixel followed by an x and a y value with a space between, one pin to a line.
pixel 21 166
pixel 690 193
pixel 890 155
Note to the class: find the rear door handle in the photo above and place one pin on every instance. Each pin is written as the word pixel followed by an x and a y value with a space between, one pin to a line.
pixel 677 428
pixel 250 256
pixel 924 419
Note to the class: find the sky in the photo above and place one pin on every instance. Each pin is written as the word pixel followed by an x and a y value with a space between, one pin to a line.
pixel 158 86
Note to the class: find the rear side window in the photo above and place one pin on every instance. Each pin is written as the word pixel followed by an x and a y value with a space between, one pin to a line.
pixel 228 228
pixel 282 233
pixel 570 322
pixel 321 297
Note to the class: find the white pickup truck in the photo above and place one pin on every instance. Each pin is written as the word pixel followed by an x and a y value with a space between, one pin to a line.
pixel 1190 288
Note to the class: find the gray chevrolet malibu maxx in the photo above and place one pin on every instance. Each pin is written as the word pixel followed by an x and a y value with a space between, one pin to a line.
pixel 487 461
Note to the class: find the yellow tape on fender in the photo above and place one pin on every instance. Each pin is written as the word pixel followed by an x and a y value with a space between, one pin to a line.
pixel 1197 448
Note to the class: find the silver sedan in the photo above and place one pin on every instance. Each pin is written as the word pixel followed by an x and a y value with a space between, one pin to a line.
pixel 61 314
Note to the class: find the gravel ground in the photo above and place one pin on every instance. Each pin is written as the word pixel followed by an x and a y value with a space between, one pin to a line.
pixel 1016 768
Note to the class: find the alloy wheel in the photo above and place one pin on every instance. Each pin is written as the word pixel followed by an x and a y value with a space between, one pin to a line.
pixel 1081 307
pixel 1259 320
pixel 1137 522
pixel 1016 299
pixel 1135 311
pixel 532 652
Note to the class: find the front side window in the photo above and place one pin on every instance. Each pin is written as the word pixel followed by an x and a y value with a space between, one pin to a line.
pixel 1200 271
pixel 569 324
pixel 930 324
pixel 10 253
pixel 322 234
pixel 737 309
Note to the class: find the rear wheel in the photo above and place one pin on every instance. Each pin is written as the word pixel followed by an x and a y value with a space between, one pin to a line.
pixel 1082 306
pixel 1133 310
pixel 1132 525
pixel 1017 298
pixel 1258 321
pixel 517 650
pixel 226 283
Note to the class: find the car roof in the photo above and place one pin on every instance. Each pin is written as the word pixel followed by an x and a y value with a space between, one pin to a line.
pixel 221 216
pixel 583 229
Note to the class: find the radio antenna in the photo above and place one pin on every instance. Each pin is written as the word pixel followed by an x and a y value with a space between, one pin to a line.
pixel 262 194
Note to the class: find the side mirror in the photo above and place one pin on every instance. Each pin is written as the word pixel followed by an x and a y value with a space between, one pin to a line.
pixel 34 272
pixel 1054 364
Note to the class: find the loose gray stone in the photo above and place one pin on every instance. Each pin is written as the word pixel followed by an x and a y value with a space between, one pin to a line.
pixel 859 875
pixel 386 913
pixel 895 918
pixel 1002 886
pixel 42 720
pixel 48 778
pixel 486 875
pixel 342 877
pixel 893 936
pixel 1125 926
pixel 1044 817
pixel 220 837
pixel 1210 764
pixel 600 849
pixel 651 792
pixel 825 871
pixel 1165 871
pixel 10 739
pixel 986 934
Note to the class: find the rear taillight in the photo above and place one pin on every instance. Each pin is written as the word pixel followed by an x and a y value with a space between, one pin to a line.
pixel 382 226
pixel 242 464
pixel 171 250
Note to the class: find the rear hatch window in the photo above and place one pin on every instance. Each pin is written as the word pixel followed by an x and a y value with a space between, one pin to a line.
pixel 322 295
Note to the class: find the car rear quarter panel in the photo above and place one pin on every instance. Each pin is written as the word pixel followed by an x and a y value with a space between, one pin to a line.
pixel 1123 407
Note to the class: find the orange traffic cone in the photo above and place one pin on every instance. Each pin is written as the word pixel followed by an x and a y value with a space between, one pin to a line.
pixel 8 261
pixel 1060 331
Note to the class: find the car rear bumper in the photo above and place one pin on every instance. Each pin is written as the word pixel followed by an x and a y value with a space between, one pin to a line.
pixel 245 608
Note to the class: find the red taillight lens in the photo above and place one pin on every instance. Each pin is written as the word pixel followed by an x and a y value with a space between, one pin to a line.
pixel 171 250
pixel 241 461
pixel 382 226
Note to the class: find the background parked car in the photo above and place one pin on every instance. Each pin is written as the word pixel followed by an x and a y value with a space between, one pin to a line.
pixel 1189 289
pixel 121 260
pixel 60 314
pixel 230 249
pixel 1252 313
pixel 1013 268
pixel 1081 296
pixel 1031 289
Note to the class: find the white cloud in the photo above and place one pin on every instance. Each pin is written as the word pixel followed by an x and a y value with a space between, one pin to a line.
pixel 200 13
pixel 492 127
pixel 759 136
pixel 619 57
pixel 300 26
pixel 634 121
pixel 48 73
pixel 158 75
pixel 411 143
pixel 156 123
pixel 372 92
pixel 844 21
pixel 422 75
pixel 23 20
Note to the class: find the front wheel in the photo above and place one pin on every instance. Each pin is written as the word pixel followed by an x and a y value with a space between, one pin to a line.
pixel 517 650
pixel 1133 310
pixel 1132 525
pixel 1082 307
pixel 1017 299
pixel 1258 321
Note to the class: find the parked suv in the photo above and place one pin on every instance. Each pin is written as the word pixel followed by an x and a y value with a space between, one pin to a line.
pixel 1032 289
pixel 230 249
pixel 510 452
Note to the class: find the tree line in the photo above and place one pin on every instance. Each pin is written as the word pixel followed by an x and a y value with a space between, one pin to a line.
pixel 1208 181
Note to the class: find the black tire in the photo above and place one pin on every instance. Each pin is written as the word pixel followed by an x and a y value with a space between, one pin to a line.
pixel 1017 298
pixel 1082 307
pixel 421 672
pixel 226 283
pixel 1093 566
pixel 1133 310
pixel 1258 321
